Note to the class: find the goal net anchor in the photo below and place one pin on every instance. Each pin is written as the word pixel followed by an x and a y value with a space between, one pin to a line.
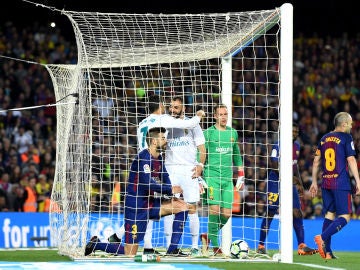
pixel 58 103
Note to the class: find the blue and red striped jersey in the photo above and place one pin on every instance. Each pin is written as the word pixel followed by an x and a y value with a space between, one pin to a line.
pixel 334 148
pixel 148 176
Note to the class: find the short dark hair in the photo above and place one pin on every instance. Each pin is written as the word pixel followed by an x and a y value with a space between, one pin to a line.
pixel 179 98
pixel 217 106
pixel 154 103
pixel 153 133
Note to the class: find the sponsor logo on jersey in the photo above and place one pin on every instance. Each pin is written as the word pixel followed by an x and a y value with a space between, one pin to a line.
pixel 177 142
pixel 332 175
pixel 222 150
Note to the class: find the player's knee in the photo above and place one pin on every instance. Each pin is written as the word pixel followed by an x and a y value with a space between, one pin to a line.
pixel 226 214
pixel 330 215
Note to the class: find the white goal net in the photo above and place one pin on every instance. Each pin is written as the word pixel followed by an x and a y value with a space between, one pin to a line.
pixel 233 58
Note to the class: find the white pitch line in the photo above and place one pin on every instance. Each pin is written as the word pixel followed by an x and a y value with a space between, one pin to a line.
pixel 320 266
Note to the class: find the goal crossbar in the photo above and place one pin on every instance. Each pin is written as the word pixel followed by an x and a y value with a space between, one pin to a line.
pixel 237 31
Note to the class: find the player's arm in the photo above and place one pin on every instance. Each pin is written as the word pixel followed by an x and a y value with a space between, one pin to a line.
pixel 240 182
pixel 202 158
pixel 197 171
pixel 354 170
pixel 168 121
pixel 199 140
pixel 298 181
pixel 236 152
pixel 296 174
pixel 315 171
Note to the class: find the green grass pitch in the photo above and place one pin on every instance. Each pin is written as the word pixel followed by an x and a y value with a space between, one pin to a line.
pixel 346 260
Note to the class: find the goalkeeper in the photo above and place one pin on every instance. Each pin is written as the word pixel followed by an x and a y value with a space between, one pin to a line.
pixel 221 142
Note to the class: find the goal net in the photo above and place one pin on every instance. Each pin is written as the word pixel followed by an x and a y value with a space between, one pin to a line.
pixel 232 58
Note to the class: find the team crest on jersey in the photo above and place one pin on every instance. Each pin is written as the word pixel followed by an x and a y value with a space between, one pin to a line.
pixel 147 168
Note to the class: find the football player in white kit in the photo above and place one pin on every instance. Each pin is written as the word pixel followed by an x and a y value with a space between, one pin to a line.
pixel 184 170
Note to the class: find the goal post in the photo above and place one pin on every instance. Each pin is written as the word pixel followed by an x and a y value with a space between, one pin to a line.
pixel 233 58
pixel 226 94
pixel 286 120
pixel 286 93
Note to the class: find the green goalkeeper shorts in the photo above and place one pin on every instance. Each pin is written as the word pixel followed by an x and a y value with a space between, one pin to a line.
pixel 220 192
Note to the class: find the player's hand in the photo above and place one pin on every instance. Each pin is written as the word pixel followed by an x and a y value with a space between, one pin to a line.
pixel 313 190
pixel 176 189
pixel 202 184
pixel 197 170
pixel 240 183
pixel 201 189
pixel 200 113
pixel 357 192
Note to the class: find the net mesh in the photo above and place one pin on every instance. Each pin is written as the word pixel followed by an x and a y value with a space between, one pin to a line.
pixel 124 58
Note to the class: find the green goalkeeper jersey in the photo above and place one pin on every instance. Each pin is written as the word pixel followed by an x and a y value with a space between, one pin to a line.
pixel 222 152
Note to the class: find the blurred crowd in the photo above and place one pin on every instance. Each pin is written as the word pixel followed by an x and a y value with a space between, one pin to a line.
pixel 326 81
pixel 28 137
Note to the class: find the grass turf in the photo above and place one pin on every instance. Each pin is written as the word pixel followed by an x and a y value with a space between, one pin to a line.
pixel 346 260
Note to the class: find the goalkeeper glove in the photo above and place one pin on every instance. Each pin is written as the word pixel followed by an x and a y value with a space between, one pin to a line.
pixel 240 183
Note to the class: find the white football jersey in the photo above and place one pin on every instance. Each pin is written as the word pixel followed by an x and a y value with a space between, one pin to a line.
pixel 162 120
pixel 182 146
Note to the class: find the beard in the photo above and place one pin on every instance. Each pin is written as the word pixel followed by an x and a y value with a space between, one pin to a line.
pixel 161 149
pixel 177 115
